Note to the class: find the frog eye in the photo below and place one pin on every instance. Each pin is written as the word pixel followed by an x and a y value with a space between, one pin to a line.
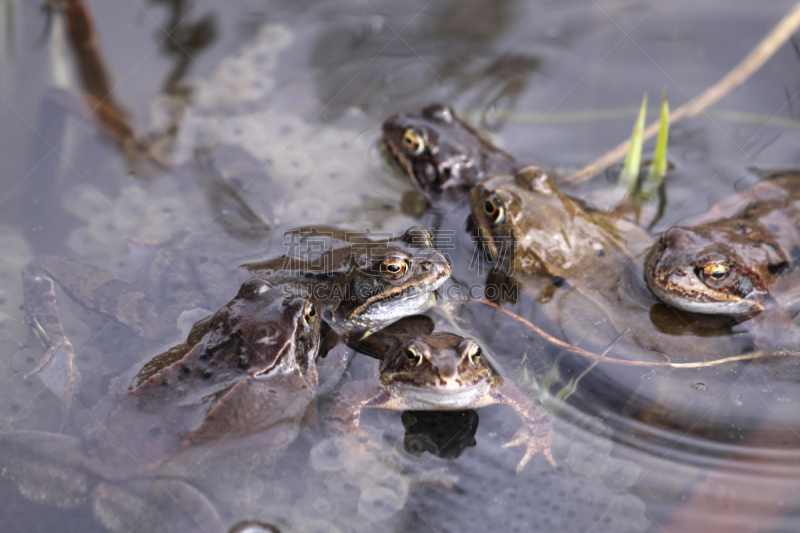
pixel 394 268
pixel 474 354
pixel 413 355
pixel 309 314
pixel 413 141
pixel 493 208
pixel 716 271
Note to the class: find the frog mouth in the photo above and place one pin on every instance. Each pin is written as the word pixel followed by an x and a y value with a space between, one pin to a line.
pixel 398 302
pixel 432 397
pixel 409 297
pixel 696 297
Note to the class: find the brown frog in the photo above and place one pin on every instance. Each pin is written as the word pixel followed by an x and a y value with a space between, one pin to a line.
pixel 425 371
pixel 237 387
pixel 444 157
pixel 579 278
pixel 361 287
pixel 365 285
pixel 579 272
pixel 441 154
pixel 734 265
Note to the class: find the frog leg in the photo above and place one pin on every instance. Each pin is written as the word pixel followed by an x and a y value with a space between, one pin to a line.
pixel 46 467
pixel 58 362
pixel 96 289
pixel 536 431
pixel 154 506
pixel 775 328
pixel 341 414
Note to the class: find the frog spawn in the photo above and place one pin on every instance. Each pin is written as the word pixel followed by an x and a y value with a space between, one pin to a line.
pixel 589 490
pixel 344 492
pixel 321 162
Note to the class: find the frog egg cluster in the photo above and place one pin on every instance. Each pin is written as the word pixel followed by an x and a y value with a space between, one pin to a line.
pixel 587 492
pixel 318 165
pixel 376 491
pixel 245 77
pixel 238 82
pixel 357 490
pixel 148 214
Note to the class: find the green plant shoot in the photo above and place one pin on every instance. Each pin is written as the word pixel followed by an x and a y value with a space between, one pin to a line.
pixel 629 176
pixel 658 168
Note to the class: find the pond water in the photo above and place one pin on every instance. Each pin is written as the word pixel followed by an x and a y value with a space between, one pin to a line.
pixel 280 129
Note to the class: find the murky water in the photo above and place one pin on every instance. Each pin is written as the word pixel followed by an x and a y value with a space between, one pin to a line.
pixel 281 131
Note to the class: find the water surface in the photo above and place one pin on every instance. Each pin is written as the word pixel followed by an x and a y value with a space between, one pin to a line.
pixel 288 99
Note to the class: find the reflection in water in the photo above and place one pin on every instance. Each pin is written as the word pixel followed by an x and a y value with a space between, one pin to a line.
pixel 443 434
pixel 183 39
pixel 111 117
pixel 462 44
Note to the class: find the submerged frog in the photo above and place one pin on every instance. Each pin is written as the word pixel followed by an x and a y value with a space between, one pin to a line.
pixel 237 388
pixel 366 285
pixel 441 154
pixel 425 371
pixel 735 265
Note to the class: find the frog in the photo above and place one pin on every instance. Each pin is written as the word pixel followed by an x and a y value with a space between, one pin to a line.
pixel 579 278
pixel 369 285
pixel 423 370
pixel 733 265
pixel 238 386
pixel 192 274
pixel 579 273
pixel 365 285
pixel 442 155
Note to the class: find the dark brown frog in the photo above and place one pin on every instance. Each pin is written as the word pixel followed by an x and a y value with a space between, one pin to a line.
pixel 237 388
pixel 195 272
pixel 733 265
pixel 364 285
pixel 441 154
pixel 360 287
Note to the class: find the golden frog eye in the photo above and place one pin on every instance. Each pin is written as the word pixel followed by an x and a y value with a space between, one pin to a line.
pixel 474 354
pixel 493 208
pixel 413 355
pixel 413 141
pixel 309 314
pixel 394 268
pixel 716 271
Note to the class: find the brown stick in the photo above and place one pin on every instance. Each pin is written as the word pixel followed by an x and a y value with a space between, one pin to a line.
pixel 591 355
pixel 757 57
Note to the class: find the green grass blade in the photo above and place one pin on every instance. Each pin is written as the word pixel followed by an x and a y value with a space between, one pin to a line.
pixel 659 166
pixel 629 175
